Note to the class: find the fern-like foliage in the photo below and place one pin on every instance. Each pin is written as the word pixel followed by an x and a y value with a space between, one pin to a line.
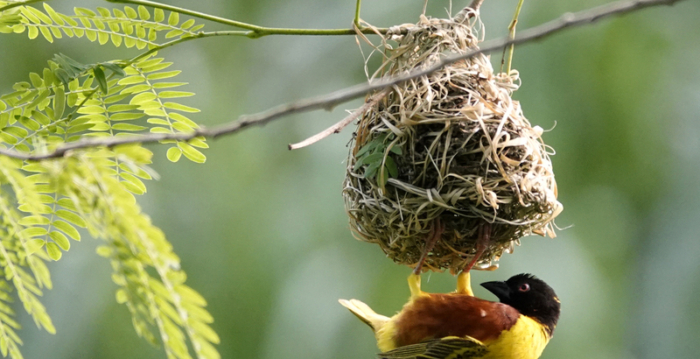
pixel 44 204
pixel 145 267
pixel 138 28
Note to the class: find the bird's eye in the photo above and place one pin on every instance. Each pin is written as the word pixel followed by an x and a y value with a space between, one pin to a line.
pixel 524 287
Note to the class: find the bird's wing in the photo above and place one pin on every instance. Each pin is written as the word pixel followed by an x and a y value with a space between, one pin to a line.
pixel 452 315
pixel 444 348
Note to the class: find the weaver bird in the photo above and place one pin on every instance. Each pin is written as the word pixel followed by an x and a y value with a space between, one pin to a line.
pixel 459 325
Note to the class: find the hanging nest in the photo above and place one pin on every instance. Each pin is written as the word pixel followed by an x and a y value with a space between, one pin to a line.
pixel 452 147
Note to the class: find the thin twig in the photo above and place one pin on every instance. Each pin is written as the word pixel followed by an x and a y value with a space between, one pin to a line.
pixel 256 31
pixel 333 99
pixel 340 125
pixel 476 4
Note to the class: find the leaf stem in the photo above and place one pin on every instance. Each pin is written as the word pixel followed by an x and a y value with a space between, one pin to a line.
pixel 512 33
pixel 185 39
pixel 255 30
pixel 357 14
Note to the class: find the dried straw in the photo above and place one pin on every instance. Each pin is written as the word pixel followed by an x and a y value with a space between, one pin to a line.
pixel 454 147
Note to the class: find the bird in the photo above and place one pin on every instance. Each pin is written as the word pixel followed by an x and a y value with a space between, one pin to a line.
pixel 459 325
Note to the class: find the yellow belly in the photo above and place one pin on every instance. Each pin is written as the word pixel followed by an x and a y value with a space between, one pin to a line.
pixel 525 340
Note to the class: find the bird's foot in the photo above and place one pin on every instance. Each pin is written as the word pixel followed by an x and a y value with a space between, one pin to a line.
pixel 482 243
pixel 434 235
pixel 464 284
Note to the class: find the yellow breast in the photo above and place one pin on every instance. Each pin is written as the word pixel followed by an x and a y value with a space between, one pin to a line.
pixel 525 340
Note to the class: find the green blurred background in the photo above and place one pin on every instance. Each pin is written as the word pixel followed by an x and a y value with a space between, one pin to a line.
pixel 263 235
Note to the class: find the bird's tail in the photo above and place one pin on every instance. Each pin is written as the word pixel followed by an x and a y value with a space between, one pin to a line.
pixel 365 313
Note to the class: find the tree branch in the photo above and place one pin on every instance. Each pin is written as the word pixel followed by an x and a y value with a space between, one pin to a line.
pixel 255 30
pixel 331 100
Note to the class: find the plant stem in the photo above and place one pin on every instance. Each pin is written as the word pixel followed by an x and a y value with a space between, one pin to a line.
pixel 511 35
pixel 255 30
pixel 357 13
pixel 185 39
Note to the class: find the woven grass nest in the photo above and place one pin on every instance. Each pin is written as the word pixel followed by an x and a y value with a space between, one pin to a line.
pixel 452 147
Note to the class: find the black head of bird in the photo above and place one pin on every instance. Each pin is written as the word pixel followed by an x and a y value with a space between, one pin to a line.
pixel 530 296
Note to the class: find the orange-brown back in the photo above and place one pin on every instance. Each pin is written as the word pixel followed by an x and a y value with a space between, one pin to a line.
pixel 440 315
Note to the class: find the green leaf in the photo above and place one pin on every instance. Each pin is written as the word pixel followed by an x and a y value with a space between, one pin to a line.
pixel 174 94
pixel 191 153
pixel 36 80
pixel 187 24
pixel 102 37
pixel 133 180
pixel 156 67
pixel 366 148
pixel 59 102
pixel 142 98
pixel 190 295
pixel 54 16
pixel 104 251
pixel 33 232
pixel 46 33
pixel 391 167
pixel 71 217
pixel 67 229
pixel 371 170
pixel 29 123
pixel 45 19
pixel 34 220
pixel 372 159
pixel 54 251
pixel 121 108
pixel 17 131
pixel 130 12
pixel 34 245
pixel 126 116
pixel 163 75
pixel 122 296
pixel 179 107
pixel 143 13
pixel 205 331
pixel 128 127
pixel 196 142
pixel 131 80
pixel 158 15
pixel 67 204
pixel 60 239
pixel 164 85
pixel 101 79
pixel 80 128
pixel 116 69
pixel 174 154
pixel 174 19
pixel 32 32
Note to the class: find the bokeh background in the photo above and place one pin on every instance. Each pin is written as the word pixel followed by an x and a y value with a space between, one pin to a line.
pixel 263 235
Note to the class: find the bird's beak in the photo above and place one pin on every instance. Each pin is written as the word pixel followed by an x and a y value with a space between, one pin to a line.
pixel 499 289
